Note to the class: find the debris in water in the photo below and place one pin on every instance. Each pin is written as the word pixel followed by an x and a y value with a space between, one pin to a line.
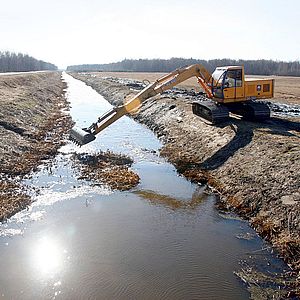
pixel 108 168
pixel 262 285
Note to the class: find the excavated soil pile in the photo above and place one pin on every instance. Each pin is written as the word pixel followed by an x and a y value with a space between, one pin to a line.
pixel 253 166
pixel 108 168
pixel 32 127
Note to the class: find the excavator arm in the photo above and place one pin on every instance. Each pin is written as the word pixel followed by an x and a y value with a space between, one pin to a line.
pixel 86 135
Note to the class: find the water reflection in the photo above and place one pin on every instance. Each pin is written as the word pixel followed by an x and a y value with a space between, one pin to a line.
pixel 171 202
pixel 48 256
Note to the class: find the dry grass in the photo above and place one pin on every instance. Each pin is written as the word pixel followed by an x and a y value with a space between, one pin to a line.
pixel 12 198
pixel 107 168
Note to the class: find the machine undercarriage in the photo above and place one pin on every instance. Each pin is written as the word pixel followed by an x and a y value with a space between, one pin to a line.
pixel 216 113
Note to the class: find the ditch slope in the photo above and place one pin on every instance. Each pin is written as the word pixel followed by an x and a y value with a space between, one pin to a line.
pixel 32 128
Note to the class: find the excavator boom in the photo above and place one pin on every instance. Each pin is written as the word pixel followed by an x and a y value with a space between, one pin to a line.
pixel 86 135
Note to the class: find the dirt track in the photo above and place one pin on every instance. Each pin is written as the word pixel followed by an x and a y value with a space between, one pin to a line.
pixel 253 166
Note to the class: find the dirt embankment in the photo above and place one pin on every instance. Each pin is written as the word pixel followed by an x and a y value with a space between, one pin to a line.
pixel 32 125
pixel 253 166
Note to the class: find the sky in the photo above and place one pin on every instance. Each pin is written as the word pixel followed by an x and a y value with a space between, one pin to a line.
pixel 71 32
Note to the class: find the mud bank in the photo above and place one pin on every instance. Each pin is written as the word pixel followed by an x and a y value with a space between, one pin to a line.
pixel 32 128
pixel 254 167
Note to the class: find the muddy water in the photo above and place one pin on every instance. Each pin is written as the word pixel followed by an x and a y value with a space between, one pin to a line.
pixel 162 240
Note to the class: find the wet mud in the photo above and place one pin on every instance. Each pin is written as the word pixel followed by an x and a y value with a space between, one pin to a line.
pixel 252 166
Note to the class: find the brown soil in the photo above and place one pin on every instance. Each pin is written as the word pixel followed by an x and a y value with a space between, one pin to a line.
pixel 107 167
pixel 32 125
pixel 253 166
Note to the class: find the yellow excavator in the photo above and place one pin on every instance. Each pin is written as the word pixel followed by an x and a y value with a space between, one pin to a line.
pixel 226 91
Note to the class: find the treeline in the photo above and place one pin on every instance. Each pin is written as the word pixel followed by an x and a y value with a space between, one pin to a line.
pixel 18 62
pixel 252 67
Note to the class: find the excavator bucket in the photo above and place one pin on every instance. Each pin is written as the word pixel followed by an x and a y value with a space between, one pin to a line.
pixel 81 136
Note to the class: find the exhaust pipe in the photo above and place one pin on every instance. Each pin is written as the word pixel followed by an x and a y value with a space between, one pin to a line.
pixel 81 136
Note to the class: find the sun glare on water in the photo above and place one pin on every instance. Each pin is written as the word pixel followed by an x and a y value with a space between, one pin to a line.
pixel 48 256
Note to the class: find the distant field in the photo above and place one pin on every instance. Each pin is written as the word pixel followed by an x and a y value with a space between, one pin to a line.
pixel 287 89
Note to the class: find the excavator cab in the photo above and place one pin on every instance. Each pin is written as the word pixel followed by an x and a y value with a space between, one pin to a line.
pixel 229 83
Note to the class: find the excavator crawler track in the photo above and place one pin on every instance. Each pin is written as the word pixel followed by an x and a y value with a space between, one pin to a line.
pixel 252 111
pixel 210 111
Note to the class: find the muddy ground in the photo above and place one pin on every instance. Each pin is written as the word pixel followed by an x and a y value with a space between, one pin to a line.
pixel 254 167
pixel 32 127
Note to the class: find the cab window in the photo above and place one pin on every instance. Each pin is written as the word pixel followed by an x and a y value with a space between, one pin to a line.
pixel 233 78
